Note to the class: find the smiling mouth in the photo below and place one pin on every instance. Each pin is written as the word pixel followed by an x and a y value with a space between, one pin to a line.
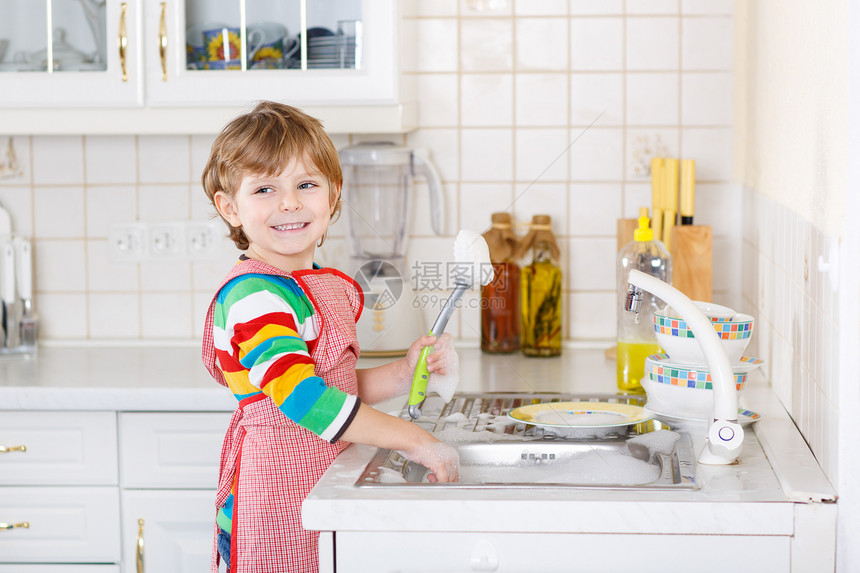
pixel 290 226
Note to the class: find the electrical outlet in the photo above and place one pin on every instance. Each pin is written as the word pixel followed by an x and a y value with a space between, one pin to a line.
pixel 126 242
pixel 201 241
pixel 166 241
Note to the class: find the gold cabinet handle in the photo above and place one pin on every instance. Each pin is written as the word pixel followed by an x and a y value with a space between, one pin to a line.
pixel 9 449
pixel 123 41
pixel 140 539
pixel 22 525
pixel 162 41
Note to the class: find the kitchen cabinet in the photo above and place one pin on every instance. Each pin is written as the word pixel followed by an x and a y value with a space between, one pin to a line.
pixel 84 492
pixel 168 530
pixel 168 477
pixel 59 501
pixel 152 84
pixel 114 79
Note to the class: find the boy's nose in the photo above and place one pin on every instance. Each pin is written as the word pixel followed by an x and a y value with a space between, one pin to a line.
pixel 290 202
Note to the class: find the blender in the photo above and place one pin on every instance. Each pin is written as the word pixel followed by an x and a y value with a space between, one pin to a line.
pixel 377 193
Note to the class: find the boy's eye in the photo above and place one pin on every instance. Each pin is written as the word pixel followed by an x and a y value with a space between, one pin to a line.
pixel 264 190
pixel 307 185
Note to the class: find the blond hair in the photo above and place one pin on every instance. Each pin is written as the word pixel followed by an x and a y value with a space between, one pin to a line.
pixel 262 142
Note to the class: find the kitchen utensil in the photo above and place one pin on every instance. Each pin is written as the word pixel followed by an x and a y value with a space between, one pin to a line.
pixel 5 236
pixel 471 260
pixel 63 55
pixel 268 41
pixel 692 253
pixel 688 191
pixel 583 415
pixel 676 338
pixel 24 282
pixel 671 200
pixel 378 179
pixel 745 417
pixel 714 312
pixel 687 391
pixel 7 289
pixel 658 178
pixel 96 13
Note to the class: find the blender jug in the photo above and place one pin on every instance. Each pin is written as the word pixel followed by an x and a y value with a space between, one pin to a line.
pixel 377 195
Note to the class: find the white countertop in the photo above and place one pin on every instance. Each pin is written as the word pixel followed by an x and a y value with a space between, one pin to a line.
pixel 120 378
pixel 749 497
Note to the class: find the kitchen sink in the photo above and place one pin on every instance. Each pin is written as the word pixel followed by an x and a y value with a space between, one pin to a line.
pixel 496 452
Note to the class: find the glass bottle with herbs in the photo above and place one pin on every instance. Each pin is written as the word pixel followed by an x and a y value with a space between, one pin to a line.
pixel 541 291
pixel 500 300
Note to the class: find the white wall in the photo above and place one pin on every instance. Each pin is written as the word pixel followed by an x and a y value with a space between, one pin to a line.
pixel 797 144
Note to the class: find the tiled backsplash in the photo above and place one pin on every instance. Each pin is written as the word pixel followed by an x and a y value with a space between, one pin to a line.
pixel 530 107
pixel 797 318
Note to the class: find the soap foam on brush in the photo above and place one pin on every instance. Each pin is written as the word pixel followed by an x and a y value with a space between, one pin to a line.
pixel 472 257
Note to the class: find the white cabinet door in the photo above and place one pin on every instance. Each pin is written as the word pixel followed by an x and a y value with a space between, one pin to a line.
pixel 168 530
pixel 64 525
pixel 175 450
pixel 377 82
pixel 58 448
pixel 81 89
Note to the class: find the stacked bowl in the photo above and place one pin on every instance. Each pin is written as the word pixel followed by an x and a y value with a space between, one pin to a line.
pixel 678 382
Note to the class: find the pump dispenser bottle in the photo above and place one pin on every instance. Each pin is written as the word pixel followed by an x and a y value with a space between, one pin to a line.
pixel 635 334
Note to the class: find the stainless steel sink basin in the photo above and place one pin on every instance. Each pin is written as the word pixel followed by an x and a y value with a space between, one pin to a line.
pixel 497 453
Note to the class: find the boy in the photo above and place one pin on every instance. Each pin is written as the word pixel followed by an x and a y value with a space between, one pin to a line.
pixel 280 333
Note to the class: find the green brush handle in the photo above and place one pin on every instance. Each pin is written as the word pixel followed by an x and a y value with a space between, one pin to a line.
pixel 418 392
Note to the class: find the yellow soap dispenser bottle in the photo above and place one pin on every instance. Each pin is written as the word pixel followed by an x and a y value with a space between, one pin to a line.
pixel 635 331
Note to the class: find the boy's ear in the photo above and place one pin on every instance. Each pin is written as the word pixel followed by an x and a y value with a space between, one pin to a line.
pixel 227 208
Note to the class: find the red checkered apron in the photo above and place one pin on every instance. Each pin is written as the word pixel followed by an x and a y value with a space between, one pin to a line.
pixel 273 461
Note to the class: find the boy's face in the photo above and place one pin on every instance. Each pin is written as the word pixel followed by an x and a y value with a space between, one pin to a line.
pixel 283 216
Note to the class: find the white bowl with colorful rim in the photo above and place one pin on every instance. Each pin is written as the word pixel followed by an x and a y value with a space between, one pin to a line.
pixel 680 391
pixel 678 341
pixel 715 312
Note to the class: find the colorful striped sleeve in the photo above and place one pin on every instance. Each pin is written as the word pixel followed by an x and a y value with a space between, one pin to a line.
pixel 264 325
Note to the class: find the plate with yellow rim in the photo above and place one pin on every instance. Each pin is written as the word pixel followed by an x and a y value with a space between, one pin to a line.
pixel 580 414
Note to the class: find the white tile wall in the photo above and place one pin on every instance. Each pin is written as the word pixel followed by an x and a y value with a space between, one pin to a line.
pixel 524 106
pixel 797 318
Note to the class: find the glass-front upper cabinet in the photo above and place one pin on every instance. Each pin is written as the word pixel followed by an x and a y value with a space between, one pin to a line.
pixel 74 52
pixel 296 51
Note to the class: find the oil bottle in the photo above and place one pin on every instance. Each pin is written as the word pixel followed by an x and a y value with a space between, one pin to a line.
pixel 635 334
pixel 500 300
pixel 541 291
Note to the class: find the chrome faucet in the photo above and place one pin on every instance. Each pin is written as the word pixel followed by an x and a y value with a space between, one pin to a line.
pixel 725 436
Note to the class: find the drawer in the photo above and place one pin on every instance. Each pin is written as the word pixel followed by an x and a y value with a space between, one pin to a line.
pixel 62 448
pixel 66 524
pixel 171 450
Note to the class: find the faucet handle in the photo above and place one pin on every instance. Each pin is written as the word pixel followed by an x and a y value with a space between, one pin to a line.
pixel 725 440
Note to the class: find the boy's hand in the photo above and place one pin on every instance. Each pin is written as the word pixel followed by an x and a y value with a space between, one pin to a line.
pixel 443 363
pixel 442 460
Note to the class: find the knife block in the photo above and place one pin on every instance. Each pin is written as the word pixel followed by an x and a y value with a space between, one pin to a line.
pixel 692 261
pixel 626 227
